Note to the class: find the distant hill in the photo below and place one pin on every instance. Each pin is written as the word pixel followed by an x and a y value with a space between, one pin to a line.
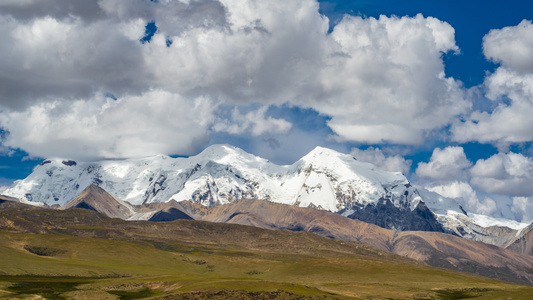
pixel 97 199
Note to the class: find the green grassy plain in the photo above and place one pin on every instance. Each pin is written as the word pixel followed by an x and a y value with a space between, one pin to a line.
pixel 199 260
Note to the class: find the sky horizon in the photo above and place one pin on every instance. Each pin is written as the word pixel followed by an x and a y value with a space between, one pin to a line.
pixel 439 90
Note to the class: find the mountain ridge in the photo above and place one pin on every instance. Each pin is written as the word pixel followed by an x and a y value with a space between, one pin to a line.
pixel 222 174
pixel 435 248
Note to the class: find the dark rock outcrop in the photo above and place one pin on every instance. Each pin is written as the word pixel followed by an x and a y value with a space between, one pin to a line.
pixel 388 216
pixel 168 215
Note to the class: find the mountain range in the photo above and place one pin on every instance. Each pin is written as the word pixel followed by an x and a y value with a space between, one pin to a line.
pixel 222 174
pixel 333 187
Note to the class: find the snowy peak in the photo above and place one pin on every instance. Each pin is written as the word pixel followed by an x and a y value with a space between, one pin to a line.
pixel 327 159
pixel 230 155
pixel 222 174
pixel 219 151
pixel 321 154
pixel 348 166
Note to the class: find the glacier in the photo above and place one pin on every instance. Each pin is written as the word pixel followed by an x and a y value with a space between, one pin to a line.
pixel 220 174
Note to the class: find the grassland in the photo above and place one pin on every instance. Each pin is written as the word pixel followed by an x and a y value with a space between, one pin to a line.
pixel 81 255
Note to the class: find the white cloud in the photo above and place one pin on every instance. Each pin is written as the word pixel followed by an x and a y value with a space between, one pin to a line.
pixel 171 17
pixel 56 69
pixel 467 197
pixel 510 121
pixel 269 52
pixel 156 122
pixel 253 122
pixel 385 82
pixel 5 150
pixel 377 80
pixel 393 163
pixel 511 46
pixel 523 208
pixel 28 9
pixel 47 58
pixel 499 186
pixel 510 88
pixel 498 206
pixel 446 165
pixel 507 174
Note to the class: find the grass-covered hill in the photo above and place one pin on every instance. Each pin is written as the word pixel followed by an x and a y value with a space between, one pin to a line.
pixel 81 254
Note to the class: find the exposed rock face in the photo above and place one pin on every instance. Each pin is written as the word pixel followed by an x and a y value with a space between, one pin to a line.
pixel 169 214
pixel 386 215
pixel 97 199
pixel 523 242
pixel 8 199
pixel 500 236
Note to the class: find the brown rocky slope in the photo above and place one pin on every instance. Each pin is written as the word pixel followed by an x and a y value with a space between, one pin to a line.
pixel 436 249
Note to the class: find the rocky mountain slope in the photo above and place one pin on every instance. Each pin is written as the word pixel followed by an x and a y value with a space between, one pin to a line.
pixel 434 248
pixel 523 241
pixel 97 199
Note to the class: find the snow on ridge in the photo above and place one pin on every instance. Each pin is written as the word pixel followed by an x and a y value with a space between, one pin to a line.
pixel 439 204
pixel 487 221
pixel 220 174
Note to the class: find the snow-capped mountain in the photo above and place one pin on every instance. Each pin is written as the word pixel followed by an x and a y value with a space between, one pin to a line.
pixel 323 179
pixel 452 216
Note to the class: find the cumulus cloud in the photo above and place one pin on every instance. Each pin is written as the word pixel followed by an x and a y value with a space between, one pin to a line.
pixel 253 122
pixel 507 174
pixel 511 46
pixel 59 9
pixel 269 53
pixel 499 186
pixel 48 58
pixel 377 80
pixel 392 163
pixel 171 17
pixel 467 197
pixel 523 209
pixel 156 122
pixel 5 150
pixel 386 81
pixel 510 121
pixel 446 165
pixel 510 88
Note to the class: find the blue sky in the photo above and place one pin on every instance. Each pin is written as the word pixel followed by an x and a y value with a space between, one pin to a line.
pixel 440 90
